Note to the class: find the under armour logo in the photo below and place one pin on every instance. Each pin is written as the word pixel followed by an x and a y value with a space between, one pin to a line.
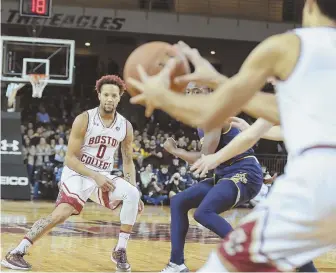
pixel 5 145
pixel 117 128
pixel 14 146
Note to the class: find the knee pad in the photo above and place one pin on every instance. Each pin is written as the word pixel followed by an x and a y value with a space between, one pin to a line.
pixel 129 209
pixel 133 194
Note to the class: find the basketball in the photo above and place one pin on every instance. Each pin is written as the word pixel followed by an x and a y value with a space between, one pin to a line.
pixel 153 56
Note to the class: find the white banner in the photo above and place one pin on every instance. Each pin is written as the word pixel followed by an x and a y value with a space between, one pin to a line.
pixel 138 21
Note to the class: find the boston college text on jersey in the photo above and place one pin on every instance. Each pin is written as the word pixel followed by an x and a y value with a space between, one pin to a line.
pixel 102 142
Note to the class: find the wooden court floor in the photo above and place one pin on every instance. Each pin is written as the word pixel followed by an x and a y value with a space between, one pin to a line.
pixel 84 243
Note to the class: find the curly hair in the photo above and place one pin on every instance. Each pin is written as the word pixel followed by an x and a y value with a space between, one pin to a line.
pixel 111 79
pixel 328 8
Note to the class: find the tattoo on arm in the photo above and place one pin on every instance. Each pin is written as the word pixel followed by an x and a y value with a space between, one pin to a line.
pixel 39 228
pixel 127 156
pixel 127 177
pixel 127 150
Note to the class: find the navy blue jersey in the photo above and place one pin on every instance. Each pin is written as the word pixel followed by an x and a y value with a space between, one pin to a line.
pixel 225 138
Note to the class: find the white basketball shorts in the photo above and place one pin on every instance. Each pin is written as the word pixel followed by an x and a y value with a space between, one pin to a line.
pixel 76 189
pixel 294 224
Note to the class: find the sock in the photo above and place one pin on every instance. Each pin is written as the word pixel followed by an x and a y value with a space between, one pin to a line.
pixel 23 246
pixel 309 267
pixel 123 239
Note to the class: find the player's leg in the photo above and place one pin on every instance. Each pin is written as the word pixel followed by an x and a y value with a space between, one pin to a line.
pixel 241 183
pixel 222 197
pixel 70 201
pixel 130 197
pixel 180 204
pixel 292 226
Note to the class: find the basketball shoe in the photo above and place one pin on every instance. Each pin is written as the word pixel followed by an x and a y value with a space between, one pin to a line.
pixel 120 258
pixel 15 261
pixel 171 267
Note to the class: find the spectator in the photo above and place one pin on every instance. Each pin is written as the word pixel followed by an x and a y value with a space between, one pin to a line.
pixel 58 175
pixel 193 146
pixel 34 137
pixel 156 155
pixel 181 143
pixel 30 126
pixel 155 192
pixel 60 131
pixel 146 177
pixel 176 185
pixel 175 167
pixel 186 177
pixel 52 150
pixel 48 132
pixel 138 153
pixel 43 152
pixel 163 176
pixel 60 151
pixel 42 116
pixel 23 130
pixel 30 152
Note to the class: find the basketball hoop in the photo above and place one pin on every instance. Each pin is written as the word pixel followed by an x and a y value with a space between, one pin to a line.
pixel 39 82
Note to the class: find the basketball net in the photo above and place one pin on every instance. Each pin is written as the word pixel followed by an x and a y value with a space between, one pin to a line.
pixel 39 82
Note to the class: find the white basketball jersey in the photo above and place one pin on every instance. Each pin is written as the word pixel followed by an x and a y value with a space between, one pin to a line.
pixel 101 142
pixel 307 100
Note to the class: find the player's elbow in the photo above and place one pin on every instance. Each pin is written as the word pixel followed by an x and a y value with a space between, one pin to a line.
pixel 69 160
pixel 128 163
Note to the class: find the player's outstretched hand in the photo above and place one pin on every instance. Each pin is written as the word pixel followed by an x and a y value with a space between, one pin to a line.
pixel 151 87
pixel 141 206
pixel 239 123
pixel 270 180
pixel 104 183
pixel 204 74
pixel 170 145
pixel 205 164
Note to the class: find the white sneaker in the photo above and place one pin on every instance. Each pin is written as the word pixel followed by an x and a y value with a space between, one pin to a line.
pixel 171 267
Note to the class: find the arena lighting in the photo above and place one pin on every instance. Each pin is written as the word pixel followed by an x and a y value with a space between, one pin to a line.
pixel 87 44
pixel 213 52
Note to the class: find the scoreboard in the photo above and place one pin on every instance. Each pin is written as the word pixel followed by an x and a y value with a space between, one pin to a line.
pixel 36 8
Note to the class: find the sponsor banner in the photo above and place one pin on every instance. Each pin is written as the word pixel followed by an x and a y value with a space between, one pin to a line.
pixel 11 139
pixel 14 178
pixel 14 182
pixel 140 21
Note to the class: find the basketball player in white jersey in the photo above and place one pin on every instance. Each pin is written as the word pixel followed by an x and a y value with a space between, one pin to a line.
pixel 296 223
pixel 95 136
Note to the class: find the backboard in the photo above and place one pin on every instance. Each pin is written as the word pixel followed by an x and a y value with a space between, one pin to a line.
pixel 21 56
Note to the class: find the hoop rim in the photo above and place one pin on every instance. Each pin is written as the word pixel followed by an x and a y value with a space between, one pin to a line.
pixel 45 76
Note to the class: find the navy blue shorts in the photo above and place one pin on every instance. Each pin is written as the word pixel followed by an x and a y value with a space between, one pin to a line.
pixel 246 174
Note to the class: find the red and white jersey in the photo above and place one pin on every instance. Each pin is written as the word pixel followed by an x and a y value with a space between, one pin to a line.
pixel 101 142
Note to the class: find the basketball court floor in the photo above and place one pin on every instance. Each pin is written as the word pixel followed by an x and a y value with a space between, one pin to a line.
pixel 83 243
